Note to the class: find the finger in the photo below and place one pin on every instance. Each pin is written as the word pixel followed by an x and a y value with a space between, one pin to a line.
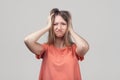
pixel 51 14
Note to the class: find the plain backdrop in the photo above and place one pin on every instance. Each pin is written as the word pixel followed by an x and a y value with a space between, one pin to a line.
pixel 97 21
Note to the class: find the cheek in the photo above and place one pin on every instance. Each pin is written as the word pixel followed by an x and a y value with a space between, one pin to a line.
pixel 54 28
pixel 65 28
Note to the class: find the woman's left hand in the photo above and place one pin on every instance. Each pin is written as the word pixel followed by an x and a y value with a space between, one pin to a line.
pixel 70 25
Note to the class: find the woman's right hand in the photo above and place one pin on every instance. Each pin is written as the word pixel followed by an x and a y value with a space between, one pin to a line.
pixel 49 23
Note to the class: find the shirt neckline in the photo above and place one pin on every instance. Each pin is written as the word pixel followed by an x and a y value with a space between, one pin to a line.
pixel 60 48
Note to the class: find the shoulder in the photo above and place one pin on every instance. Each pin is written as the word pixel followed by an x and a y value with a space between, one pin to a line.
pixel 73 45
pixel 47 46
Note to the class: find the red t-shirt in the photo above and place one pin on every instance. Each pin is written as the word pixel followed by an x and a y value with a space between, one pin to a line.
pixel 59 63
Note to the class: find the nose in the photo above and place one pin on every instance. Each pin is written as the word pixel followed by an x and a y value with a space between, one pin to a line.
pixel 59 26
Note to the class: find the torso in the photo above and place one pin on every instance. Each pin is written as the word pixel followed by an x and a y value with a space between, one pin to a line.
pixel 60 64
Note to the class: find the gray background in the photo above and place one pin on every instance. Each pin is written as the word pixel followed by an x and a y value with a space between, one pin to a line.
pixel 95 20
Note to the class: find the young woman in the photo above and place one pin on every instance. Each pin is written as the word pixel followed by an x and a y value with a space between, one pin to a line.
pixel 60 54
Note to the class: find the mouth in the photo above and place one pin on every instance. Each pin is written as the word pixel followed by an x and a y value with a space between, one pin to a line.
pixel 59 34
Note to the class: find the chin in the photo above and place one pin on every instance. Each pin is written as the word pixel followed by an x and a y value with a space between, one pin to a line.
pixel 59 36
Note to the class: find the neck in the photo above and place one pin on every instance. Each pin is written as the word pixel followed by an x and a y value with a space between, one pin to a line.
pixel 59 42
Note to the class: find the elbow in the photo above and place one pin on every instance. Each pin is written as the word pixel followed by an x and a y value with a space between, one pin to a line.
pixel 85 48
pixel 26 40
pixel 82 50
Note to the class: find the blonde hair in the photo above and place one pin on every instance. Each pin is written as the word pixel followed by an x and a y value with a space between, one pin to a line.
pixel 66 16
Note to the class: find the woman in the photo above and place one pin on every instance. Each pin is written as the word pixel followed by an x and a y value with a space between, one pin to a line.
pixel 60 54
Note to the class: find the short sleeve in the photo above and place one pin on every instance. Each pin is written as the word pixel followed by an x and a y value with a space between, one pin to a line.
pixel 80 58
pixel 43 53
pixel 74 50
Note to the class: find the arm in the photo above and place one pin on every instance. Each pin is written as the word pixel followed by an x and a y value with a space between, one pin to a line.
pixel 31 40
pixel 82 45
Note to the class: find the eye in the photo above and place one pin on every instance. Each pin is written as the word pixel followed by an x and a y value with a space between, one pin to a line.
pixel 63 23
pixel 55 24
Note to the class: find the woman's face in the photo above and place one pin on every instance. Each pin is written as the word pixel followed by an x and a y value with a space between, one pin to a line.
pixel 59 26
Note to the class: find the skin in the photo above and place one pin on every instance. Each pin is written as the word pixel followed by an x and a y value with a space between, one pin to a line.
pixel 60 27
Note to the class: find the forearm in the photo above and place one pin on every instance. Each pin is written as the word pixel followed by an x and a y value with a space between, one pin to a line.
pixel 33 37
pixel 82 45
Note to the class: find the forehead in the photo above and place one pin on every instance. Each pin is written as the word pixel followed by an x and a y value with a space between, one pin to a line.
pixel 58 18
